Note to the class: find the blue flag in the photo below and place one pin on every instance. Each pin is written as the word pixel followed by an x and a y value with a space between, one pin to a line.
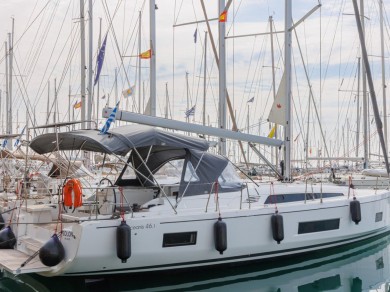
pixel 20 136
pixel 190 112
pixel 110 120
pixel 100 60
pixel 5 143
pixel 195 35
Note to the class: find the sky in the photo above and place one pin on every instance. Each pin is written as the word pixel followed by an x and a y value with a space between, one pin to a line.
pixel 47 50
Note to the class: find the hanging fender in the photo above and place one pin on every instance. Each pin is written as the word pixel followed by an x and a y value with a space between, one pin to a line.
pixel 73 193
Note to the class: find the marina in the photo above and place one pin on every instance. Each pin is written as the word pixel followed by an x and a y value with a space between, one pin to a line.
pixel 255 181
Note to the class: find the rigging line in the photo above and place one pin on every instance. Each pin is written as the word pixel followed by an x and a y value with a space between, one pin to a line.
pixel 31 15
pixel 29 26
pixel 175 21
pixel 52 18
pixel 39 51
pixel 116 43
pixel 300 127
pixel 234 17
pixel 64 72
pixel 194 64
pixel 242 115
pixel 173 61
pixel 40 40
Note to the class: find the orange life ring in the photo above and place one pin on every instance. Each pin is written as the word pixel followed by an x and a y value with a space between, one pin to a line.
pixel 73 193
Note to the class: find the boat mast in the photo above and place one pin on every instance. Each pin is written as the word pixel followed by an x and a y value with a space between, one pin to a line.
pixel 378 121
pixel 98 82
pixel 10 56
pixel 222 79
pixel 48 105
pixel 287 70
pixel 204 78
pixel 166 100
pixel 69 104
pixel 274 151
pixel 139 64
pixel 55 101
pixel 6 88
pixel 365 99
pixel 383 72
pixel 90 53
pixel 188 101
pixel 152 8
pixel 82 65
pixel 358 111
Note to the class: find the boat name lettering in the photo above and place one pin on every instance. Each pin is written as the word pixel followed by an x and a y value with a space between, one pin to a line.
pixel 146 226
pixel 68 233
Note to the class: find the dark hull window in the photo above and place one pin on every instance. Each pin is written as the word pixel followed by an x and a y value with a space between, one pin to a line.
pixel 318 226
pixel 378 216
pixel 179 239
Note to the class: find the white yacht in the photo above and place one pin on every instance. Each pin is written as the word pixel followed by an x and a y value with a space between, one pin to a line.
pixel 208 218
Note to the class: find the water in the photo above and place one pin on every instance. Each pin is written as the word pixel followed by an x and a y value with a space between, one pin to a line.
pixel 359 267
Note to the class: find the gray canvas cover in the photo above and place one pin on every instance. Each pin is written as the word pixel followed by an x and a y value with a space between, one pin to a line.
pixel 118 141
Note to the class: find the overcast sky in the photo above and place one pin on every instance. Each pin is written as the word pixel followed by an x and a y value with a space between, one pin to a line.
pixel 47 47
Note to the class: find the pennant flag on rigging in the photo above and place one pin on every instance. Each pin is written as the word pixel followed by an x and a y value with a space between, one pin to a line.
pixel 272 133
pixel 223 16
pixel 20 136
pixel 100 60
pixel 128 92
pixel 195 35
pixel 77 104
pixel 251 100
pixel 146 55
pixel 110 120
pixel 190 112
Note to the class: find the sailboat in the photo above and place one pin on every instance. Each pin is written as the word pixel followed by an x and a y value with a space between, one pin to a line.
pixel 207 218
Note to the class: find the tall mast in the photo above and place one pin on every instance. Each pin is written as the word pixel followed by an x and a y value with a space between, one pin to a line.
pixel 6 88
pixel 358 111
pixel 383 72
pixel 140 108
pixel 69 104
pixel 188 100
pixel 273 82
pixel 90 53
pixel 166 100
pixel 10 55
pixel 222 79
pixel 48 105
pixel 1 113
pixel 98 83
pixel 365 99
pixel 55 102
pixel 287 70
pixel 152 6
pixel 374 104
pixel 82 66
pixel 204 78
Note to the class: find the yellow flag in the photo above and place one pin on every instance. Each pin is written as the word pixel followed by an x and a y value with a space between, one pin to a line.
pixel 223 16
pixel 146 55
pixel 272 133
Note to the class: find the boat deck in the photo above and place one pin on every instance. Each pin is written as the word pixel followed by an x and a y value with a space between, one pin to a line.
pixel 11 260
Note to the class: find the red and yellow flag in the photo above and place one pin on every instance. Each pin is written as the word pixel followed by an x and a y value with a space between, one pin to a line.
pixel 223 16
pixel 77 104
pixel 146 55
